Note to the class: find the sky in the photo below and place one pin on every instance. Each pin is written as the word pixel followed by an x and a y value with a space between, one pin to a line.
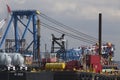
pixel 78 14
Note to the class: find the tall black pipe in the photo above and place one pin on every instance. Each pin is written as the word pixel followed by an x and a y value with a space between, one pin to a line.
pixel 100 32
pixel 38 40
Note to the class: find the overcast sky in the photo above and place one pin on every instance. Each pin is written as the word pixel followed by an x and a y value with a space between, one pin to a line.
pixel 79 14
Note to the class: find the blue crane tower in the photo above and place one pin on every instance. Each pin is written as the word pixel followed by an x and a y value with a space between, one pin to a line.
pixel 17 18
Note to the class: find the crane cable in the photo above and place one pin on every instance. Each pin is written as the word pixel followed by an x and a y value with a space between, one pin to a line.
pixel 68 34
pixel 67 27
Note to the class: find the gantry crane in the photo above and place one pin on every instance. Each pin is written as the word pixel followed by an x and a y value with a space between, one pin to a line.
pixel 17 18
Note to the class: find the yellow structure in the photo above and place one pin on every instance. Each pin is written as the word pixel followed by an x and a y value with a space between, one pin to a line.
pixel 55 66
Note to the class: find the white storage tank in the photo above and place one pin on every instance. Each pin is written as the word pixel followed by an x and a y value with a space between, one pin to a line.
pixel 17 59
pixel 12 61
pixel 5 59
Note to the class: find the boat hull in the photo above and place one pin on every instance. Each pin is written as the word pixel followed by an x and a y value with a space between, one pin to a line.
pixel 55 75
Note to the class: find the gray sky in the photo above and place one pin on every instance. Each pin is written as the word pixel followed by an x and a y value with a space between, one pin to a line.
pixel 79 14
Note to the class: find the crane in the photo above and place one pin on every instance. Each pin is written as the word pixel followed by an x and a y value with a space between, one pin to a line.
pixel 17 18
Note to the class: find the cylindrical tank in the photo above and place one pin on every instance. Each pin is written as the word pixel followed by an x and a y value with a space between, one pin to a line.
pixel 5 59
pixel 55 65
pixel 17 59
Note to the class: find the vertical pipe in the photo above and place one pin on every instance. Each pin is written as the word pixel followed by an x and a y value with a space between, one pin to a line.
pixel 45 48
pixel 52 46
pixel 38 40
pixel 100 32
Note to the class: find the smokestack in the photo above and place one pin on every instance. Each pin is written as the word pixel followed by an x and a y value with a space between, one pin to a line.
pixel 100 32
